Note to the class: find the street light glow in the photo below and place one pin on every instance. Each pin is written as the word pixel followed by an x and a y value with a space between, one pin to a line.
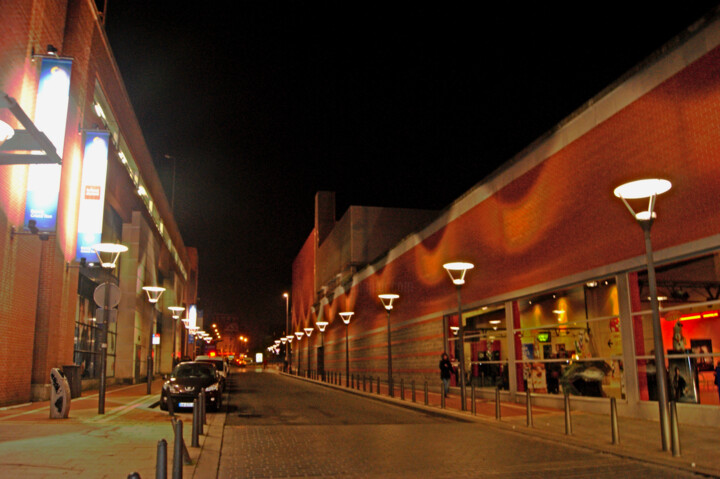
pixel 457 271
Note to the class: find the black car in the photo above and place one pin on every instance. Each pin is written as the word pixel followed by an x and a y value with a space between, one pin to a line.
pixel 184 384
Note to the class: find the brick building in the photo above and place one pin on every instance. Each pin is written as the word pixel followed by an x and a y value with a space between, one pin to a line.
pixel 62 94
pixel 558 300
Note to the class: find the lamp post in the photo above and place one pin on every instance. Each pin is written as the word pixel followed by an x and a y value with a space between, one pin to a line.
pixel 457 271
pixel 387 300
pixel 176 310
pixel 649 189
pixel 112 253
pixel 153 293
pixel 287 329
pixel 346 317
pixel 321 325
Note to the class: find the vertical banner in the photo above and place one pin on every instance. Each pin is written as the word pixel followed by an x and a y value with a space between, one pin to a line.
pixel 51 109
pixel 92 193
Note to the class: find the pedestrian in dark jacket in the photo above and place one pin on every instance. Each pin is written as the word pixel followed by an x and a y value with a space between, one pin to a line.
pixel 446 370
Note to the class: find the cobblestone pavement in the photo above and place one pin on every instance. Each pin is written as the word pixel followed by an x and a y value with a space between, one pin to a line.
pixel 279 427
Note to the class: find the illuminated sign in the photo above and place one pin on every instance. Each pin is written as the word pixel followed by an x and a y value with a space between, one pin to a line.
pixel 156 338
pixel 51 109
pixel 92 194
pixel 543 337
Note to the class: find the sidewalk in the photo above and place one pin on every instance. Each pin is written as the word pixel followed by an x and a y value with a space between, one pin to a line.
pixel 639 439
pixel 111 445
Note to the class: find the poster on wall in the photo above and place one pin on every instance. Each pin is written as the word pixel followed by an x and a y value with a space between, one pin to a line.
pixel 683 380
pixel 92 193
pixel 51 109
pixel 703 346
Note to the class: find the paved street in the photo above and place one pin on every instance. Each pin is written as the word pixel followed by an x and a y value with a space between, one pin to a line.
pixel 278 426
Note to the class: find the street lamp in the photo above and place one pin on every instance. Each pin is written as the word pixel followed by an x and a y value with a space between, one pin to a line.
pixel 112 253
pixel 457 271
pixel 153 293
pixel 387 300
pixel 346 317
pixel 642 189
pixel 321 325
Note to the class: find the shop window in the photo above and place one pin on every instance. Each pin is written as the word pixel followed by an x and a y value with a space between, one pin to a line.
pixel 88 337
pixel 486 359
pixel 569 341
pixel 689 296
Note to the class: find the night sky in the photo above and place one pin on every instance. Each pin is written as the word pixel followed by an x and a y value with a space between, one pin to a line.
pixel 265 103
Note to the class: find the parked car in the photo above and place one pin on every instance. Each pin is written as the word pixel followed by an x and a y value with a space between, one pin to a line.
pixel 184 385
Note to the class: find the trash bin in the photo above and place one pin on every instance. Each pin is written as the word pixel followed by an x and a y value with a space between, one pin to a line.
pixel 72 373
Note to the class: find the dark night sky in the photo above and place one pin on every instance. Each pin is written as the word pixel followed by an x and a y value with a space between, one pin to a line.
pixel 264 103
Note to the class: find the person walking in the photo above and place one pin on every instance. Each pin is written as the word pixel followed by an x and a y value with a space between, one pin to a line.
pixel 446 370
pixel 717 378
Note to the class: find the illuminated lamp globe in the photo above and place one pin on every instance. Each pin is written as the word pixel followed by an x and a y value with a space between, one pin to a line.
pixel 642 189
pixel 153 292
pixel 346 316
pixel 308 331
pixel 108 253
pixel 176 311
pixel 457 271
pixel 387 300
pixel 299 335
pixel 321 325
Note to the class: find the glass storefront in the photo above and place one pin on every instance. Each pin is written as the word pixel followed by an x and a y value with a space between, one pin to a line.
pixel 88 337
pixel 689 296
pixel 569 340
pixel 486 352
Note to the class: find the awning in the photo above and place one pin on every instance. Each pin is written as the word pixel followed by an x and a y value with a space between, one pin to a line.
pixel 28 146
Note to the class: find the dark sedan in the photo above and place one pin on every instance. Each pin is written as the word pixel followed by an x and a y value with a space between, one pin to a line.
pixel 184 385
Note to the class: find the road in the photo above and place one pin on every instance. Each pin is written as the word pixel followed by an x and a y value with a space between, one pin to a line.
pixel 279 426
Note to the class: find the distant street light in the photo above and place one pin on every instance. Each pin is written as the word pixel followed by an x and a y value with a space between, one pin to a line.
pixel 649 189
pixel 346 317
pixel 321 325
pixel 457 272
pixel 387 300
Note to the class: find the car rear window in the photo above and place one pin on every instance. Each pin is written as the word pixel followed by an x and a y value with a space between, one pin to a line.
pixel 193 371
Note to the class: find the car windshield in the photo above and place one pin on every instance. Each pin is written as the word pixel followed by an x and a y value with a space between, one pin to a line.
pixel 217 363
pixel 193 371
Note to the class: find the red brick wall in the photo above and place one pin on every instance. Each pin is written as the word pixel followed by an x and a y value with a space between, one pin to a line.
pixel 558 219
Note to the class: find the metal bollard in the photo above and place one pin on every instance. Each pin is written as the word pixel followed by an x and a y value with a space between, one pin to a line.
pixel 378 384
pixel 194 442
pixel 674 430
pixel 402 389
pixel 371 383
pixel 134 475
pixel 614 421
pixel 442 395
pixel 497 403
pixel 364 383
pixel 568 418
pixel 472 399
pixel 340 379
pixel 528 404
pixel 412 386
pixel 177 470
pixel 426 393
pixel 161 460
